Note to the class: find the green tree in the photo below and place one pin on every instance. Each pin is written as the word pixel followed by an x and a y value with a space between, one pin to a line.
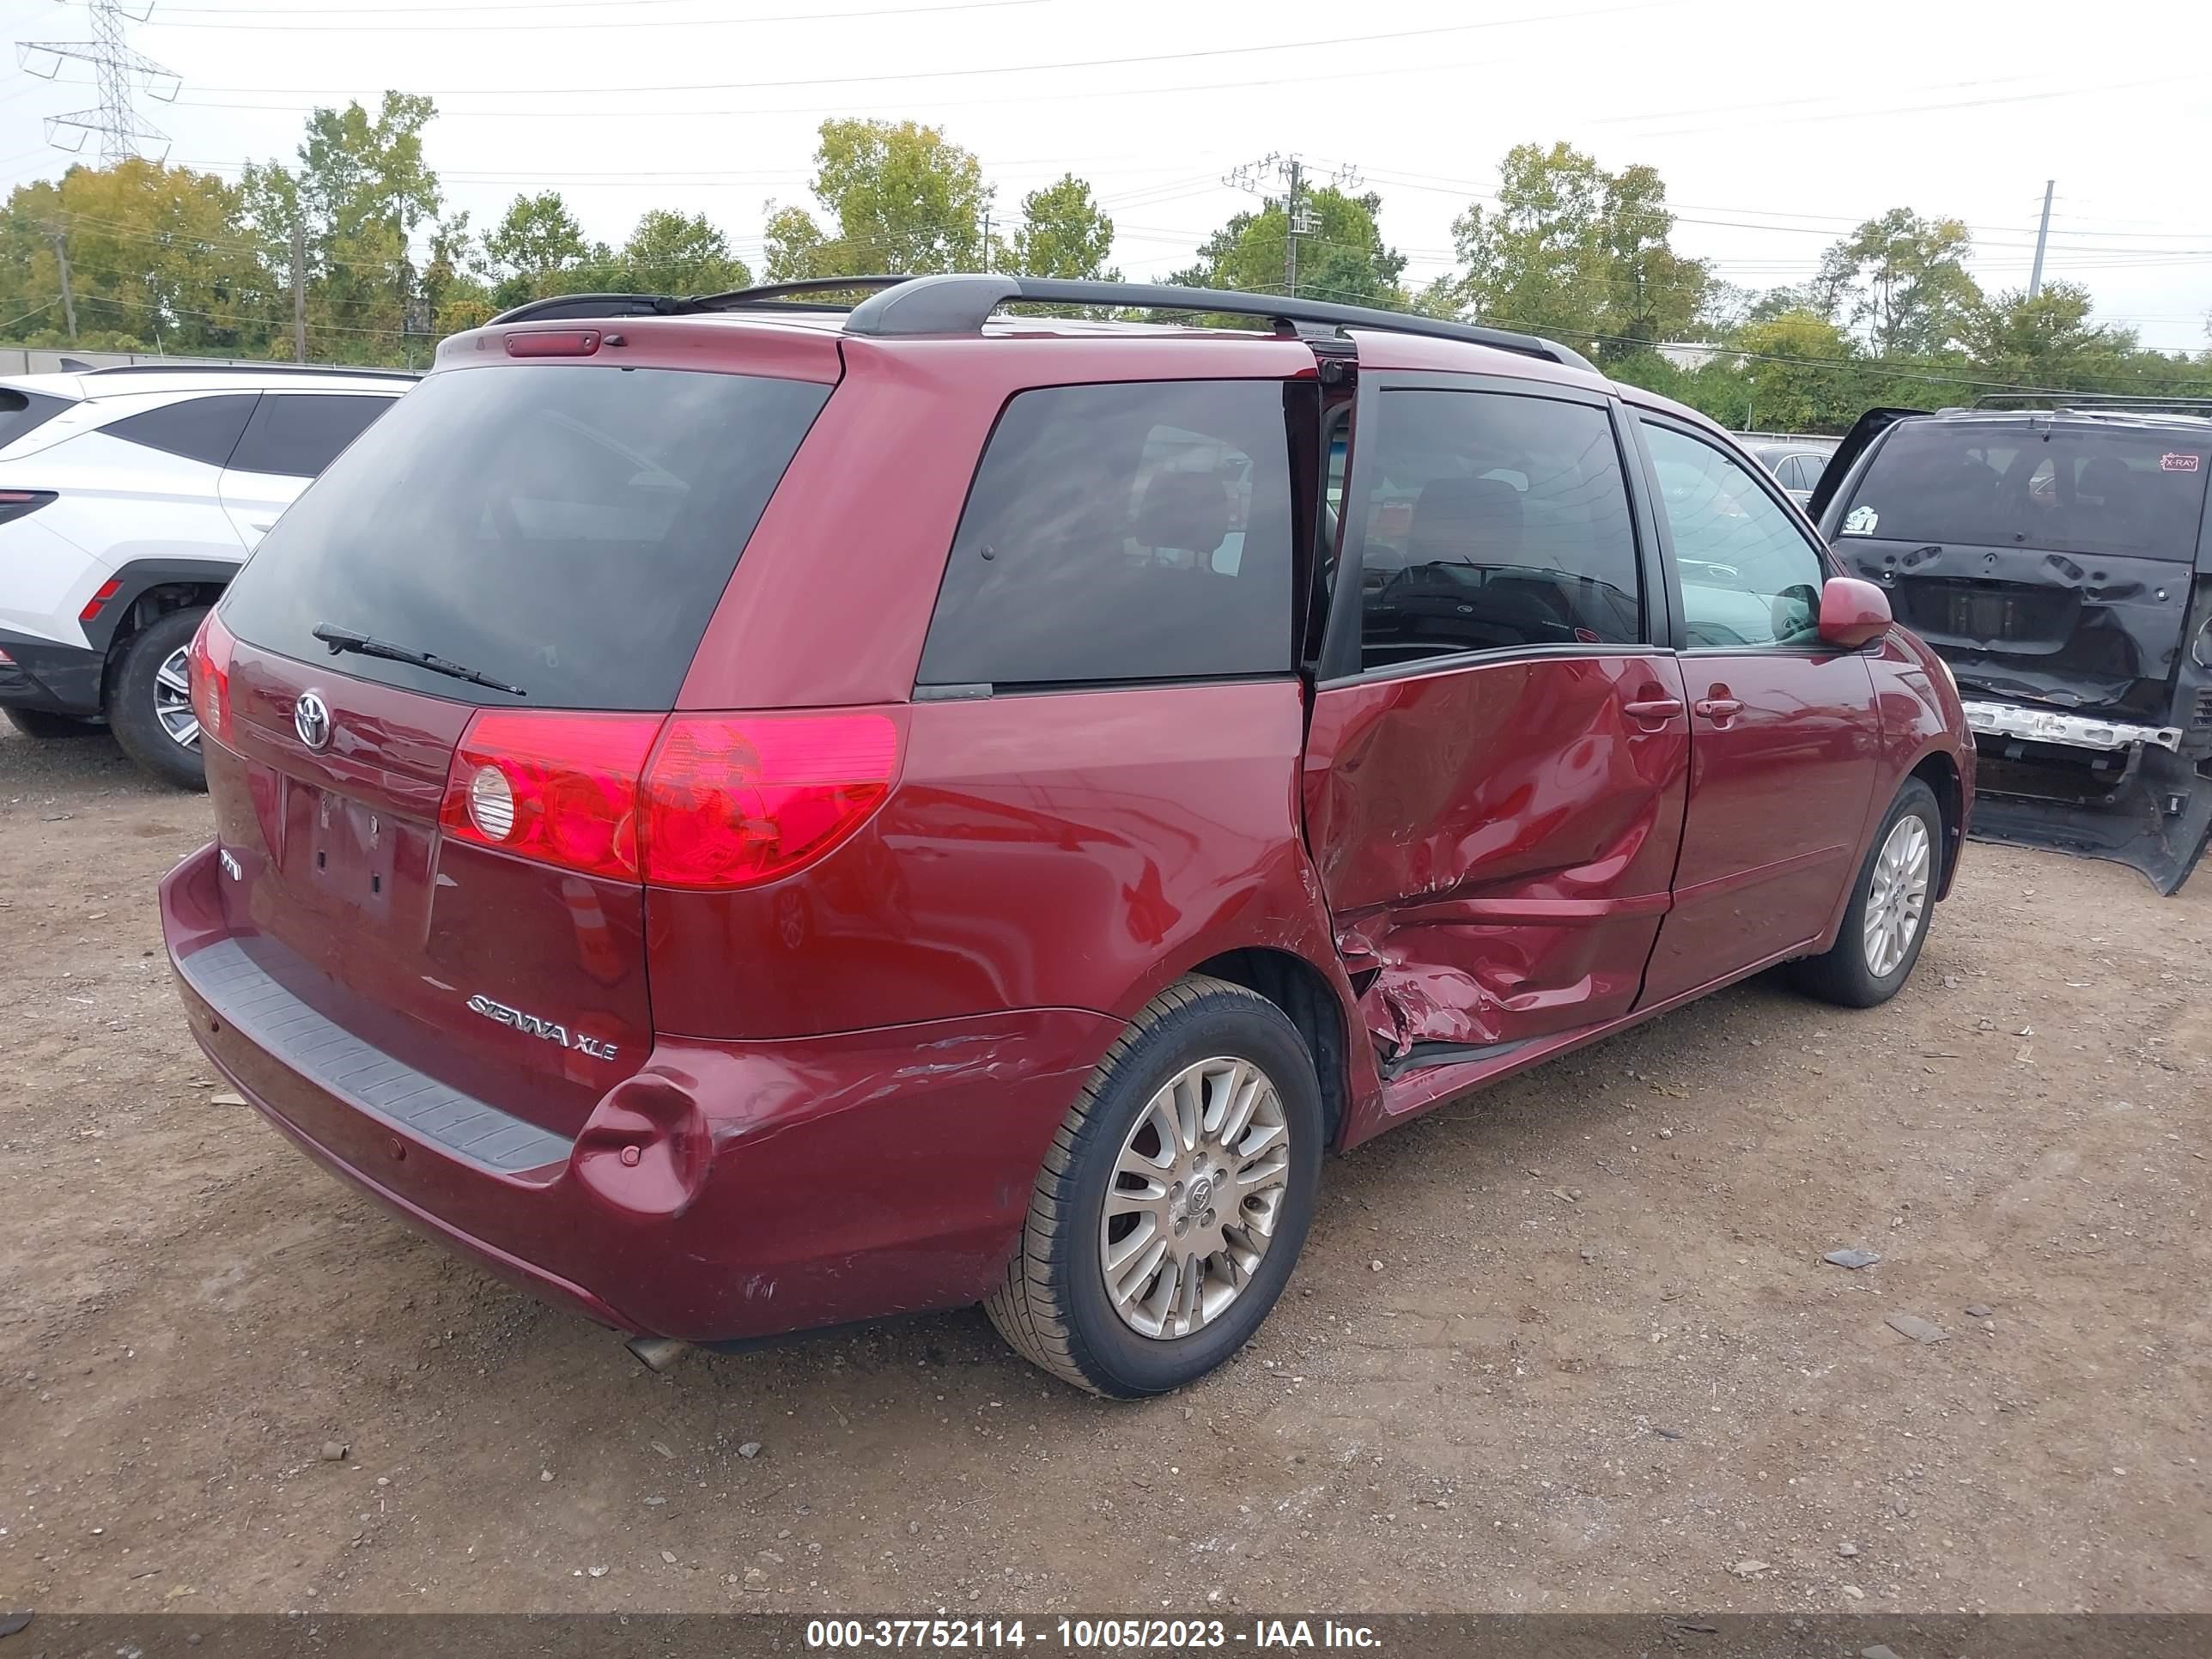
pixel 2048 341
pixel 1572 249
pixel 361 192
pixel 672 252
pixel 158 261
pixel 538 248
pixel 1534 260
pixel 1903 280
pixel 901 196
pixel 1342 259
pixel 1798 375
pixel 1064 233
pixel 1651 292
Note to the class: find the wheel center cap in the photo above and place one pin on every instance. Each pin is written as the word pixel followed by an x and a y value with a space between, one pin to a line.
pixel 1201 1193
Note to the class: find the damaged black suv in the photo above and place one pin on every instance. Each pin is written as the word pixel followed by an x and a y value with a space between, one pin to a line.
pixel 2059 559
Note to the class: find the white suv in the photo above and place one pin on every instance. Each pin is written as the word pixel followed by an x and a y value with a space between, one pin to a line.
pixel 129 497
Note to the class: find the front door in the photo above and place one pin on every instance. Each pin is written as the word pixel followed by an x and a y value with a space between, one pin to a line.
pixel 1495 768
pixel 1783 735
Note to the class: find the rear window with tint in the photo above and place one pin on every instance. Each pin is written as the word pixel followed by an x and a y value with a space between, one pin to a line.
pixel 1125 532
pixel 2062 488
pixel 566 529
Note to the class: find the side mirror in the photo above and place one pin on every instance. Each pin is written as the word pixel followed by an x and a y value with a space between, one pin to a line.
pixel 1852 612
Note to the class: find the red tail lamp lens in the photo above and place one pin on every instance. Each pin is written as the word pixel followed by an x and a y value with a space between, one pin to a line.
pixel 560 789
pixel 16 503
pixel 733 801
pixel 211 676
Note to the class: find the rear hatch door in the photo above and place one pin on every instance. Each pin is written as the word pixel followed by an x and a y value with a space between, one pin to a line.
pixel 560 529
pixel 2049 560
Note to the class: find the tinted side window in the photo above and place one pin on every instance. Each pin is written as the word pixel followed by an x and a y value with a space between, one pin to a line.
pixel 23 411
pixel 1493 521
pixel 199 428
pixel 1123 532
pixel 299 435
pixel 1749 577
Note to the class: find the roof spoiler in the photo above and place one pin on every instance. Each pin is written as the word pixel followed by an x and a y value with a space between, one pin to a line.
pixel 961 304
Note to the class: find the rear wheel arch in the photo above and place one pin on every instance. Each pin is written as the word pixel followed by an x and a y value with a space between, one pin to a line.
pixel 1939 770
pixel 151 604
pixel 1312 1002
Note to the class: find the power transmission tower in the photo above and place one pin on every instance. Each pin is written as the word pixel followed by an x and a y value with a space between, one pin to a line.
pixel 1298 219
pixel 118 70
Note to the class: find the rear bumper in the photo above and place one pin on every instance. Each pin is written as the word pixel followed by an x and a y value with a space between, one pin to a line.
pixel 775 1187
pixel 59 680
pixel 2136 802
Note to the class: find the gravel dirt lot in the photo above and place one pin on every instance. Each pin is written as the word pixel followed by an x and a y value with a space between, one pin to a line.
pixel 1568 1345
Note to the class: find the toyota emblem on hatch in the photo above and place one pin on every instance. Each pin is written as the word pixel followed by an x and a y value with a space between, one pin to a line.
pixel 311 718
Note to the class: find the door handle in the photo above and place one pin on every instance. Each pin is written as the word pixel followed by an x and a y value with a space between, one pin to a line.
pixel 1653 708
pixel 1719 710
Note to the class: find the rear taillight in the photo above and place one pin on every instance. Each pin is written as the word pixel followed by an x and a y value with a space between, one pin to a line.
pixel 733 801
pixel 18 503
pixel 558 788
pixel 211 676
pixel 725 801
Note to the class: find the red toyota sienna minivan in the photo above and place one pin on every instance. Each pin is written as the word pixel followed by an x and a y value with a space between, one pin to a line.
pixel 745 815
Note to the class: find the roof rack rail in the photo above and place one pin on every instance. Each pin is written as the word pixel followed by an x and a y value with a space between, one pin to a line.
pixel 961 304
pixel 778 295
pixel 2117 402
pixel 236 366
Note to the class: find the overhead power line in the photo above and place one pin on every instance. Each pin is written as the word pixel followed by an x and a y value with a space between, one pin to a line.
pixel 965 71
pixel 624 22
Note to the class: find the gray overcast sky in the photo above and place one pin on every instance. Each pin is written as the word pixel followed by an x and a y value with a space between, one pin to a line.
pixel 1776 126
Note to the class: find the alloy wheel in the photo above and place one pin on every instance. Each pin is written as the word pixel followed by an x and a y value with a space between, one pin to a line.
pixel 172 699
pixel 1898 897
pixel 1194 1197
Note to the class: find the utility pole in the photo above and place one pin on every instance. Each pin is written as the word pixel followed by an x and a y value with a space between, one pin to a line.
pixel 987 242
pixel 299 290
pixel 2042 235
pixel 1298 219
pixel 61 259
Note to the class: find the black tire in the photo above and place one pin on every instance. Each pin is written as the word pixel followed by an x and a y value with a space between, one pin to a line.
pixel 1844 976
pixel 130 705
pixel 1053 1307
pixel 46 725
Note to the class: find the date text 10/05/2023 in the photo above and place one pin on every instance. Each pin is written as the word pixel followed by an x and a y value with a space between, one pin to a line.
pixel 1093 1635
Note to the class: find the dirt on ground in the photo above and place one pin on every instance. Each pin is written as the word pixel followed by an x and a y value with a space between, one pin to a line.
pixel 1569 1344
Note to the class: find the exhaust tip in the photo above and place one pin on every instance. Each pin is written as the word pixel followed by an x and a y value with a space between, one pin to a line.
pixel 657 1353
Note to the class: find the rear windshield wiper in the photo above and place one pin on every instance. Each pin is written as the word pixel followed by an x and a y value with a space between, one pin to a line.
pixel 345 639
